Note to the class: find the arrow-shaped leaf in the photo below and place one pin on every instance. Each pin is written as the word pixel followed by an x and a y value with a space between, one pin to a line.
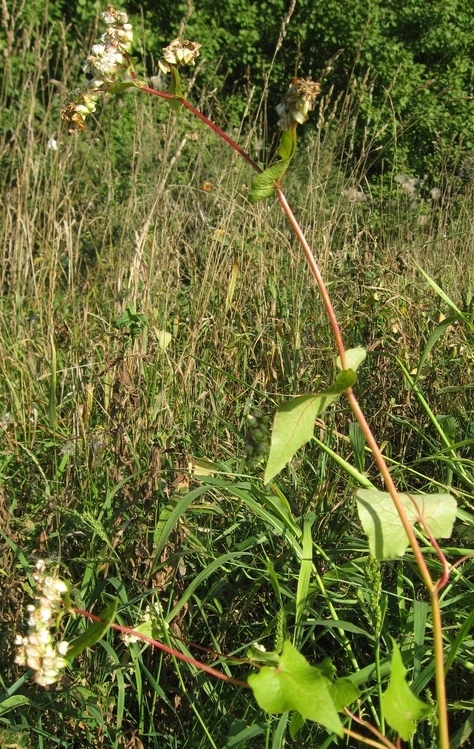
pixel 402 709
pixel 295 685
pixel 294 422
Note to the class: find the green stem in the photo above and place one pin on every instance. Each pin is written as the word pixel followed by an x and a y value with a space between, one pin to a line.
pixel 379 680
pixel 440 676
pixel 456 464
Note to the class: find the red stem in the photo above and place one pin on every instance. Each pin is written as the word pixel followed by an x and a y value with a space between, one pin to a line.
pixel 203 118
pixel 431 586
pixel 317 275
pixel 383 739
pixel 165 648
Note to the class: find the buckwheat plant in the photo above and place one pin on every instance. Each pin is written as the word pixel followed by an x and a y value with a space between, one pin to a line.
pixel 101 67
pixel 297 102
pixel 47 655
pixel 39 650
pixel 285 680
pixel 178 53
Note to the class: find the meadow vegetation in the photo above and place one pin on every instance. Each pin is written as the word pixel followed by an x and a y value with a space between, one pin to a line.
pixel 151 320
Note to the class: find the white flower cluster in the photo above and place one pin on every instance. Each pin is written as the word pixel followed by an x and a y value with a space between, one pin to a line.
pixel 107 58
pixel 354 195
pixel 179 53
pixel 102 66
pixel 297 102
pixel 38 650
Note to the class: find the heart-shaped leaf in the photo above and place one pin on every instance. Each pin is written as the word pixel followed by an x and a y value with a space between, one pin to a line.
pixel 296 685
pixel 383 527
pixel 263 185
pixel 294 422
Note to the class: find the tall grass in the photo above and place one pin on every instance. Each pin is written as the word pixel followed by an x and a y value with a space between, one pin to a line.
pixel 100 429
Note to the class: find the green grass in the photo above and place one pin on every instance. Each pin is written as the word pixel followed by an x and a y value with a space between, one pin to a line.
pixel 99 429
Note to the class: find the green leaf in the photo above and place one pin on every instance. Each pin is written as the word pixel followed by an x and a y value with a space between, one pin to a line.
pixel 440 292
pixel 149 628
pixel 117 88
pixel 402 709
pixel 94 632
pixel 294 422
pixel 262 657
pixel 13 703
pixel 354 357
pixel 295 685
pixel 263 185
pixel 175 88
pixel 343 692
pixel 383 527
pixel 305 568
pixel 357 440
pixel 296 724
pixel 287 146
pixel 433 339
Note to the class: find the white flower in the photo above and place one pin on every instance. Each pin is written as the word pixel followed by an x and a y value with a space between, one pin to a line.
pixel 408 185
pixel 104 62
pixel 114 17
pixel 119 31
pixel 297 102
pixel 354 195
pixel 38 650
pixel 179 53
pixel 6 420
pixel 120 37
pixel 102 67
